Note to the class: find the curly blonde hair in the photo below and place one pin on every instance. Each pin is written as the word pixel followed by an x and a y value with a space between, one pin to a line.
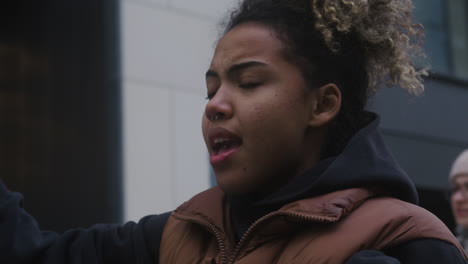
pixel 385 28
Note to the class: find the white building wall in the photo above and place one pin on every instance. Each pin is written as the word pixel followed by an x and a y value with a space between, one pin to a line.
pixel 167 46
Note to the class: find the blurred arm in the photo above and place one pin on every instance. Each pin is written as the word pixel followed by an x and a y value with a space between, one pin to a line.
pixel 21 240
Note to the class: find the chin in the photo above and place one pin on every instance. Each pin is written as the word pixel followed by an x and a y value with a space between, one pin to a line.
pixel 463 223
pixel 233 188
pixel 232 185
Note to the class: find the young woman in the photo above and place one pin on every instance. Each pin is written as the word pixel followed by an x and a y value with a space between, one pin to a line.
pixel 458 178
pixel 303 174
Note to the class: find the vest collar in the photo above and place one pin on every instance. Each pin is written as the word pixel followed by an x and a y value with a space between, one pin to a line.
pixel 208 209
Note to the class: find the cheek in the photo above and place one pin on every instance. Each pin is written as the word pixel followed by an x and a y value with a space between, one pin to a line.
pixel 281 107
pixel 270 127
pixel 452 202
pixel 259 114
pixel 262 121
pixel 286 117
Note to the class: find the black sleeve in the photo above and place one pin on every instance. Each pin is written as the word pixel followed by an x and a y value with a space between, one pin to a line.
pixel 372 257
pixel 427 251
pixel 22 242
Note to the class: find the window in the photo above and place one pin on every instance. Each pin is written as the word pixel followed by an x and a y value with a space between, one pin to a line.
pixel 445 23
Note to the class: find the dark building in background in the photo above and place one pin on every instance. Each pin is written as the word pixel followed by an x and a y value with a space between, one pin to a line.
pixel 426 133
pixel 60 109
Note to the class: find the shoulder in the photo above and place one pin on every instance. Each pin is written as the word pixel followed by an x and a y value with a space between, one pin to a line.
pixel 398 210
pixel 208 198
pixel 398 222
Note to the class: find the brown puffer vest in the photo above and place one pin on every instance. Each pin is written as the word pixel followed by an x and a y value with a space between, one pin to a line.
pixel 325 229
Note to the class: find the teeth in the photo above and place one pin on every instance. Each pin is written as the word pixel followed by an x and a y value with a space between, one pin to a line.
pixel 220 140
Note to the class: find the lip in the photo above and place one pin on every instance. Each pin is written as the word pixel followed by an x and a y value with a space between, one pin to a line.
pixel 216 156
pixel 462 213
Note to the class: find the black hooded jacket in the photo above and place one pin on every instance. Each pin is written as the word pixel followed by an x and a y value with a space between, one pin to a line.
pixel 365 162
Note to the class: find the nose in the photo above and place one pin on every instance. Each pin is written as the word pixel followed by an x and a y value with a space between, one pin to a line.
pixel 219 107
pixel 459 196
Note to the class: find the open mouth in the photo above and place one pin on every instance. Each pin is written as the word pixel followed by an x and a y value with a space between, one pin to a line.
pixel 222 145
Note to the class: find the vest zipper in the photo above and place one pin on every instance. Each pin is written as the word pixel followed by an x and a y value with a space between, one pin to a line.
pixel 247 233
pixel 212 228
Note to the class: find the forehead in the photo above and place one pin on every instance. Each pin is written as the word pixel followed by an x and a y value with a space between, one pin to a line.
pixel 461 179
pixel 247 41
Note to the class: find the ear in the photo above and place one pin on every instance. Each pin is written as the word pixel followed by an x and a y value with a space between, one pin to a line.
pixel 324 105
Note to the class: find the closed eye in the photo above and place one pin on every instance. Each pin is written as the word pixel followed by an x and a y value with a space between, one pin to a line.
pixel 249 85
pixel 210 95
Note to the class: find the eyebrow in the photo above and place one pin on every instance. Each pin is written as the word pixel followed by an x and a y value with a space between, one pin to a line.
pixel 235 68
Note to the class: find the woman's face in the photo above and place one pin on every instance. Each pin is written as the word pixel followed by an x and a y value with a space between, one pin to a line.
pixel 459 200
pixel 255 124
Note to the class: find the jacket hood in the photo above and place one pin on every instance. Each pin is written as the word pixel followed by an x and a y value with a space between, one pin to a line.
pixel 365 162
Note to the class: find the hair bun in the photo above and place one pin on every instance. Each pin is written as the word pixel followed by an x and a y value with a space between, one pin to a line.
pixel 387 32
